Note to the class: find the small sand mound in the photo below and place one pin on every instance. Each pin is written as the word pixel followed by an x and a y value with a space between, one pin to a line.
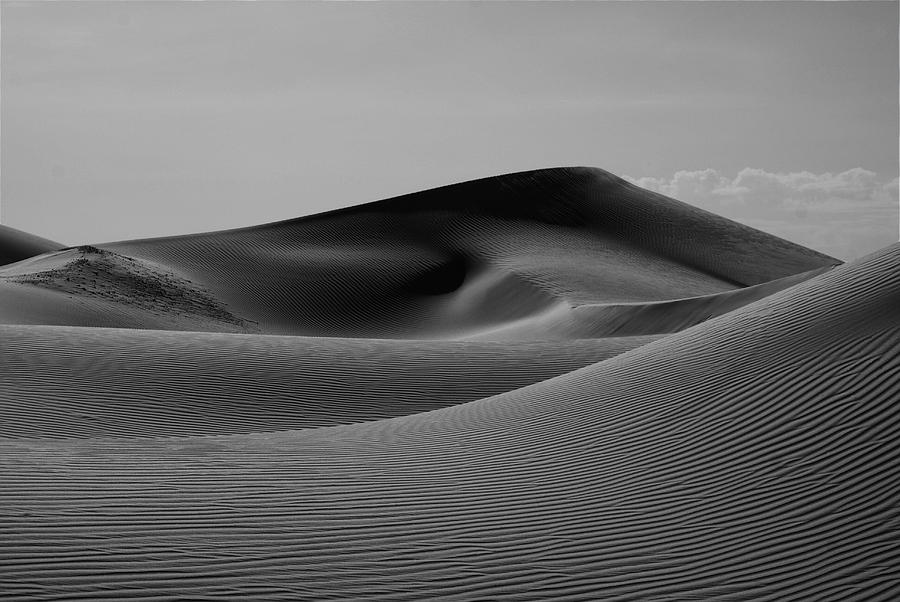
pixel 750 457
pixel 93 273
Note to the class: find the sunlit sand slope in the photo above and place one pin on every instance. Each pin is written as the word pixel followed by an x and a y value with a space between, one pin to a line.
pixel 90 382
pixel 752 456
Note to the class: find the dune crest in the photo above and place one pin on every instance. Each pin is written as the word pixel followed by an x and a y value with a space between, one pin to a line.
pixel 16 245
pixel 459 261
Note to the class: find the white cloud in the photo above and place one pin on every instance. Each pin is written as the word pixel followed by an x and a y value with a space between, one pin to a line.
pixel 846 214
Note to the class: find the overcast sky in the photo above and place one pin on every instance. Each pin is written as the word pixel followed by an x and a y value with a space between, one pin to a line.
pixel 127 119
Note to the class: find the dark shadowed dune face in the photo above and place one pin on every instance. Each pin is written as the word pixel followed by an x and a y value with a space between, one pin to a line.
pixel 454 262
pixel 16 245
pixel 544 385
pixel 442 279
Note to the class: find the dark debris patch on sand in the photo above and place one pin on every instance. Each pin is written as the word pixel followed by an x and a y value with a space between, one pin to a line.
pixel 96 272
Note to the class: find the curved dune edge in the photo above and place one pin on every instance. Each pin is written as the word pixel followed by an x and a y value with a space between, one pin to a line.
pixel 16 245
pixel 90 382
pixel 751 456
pixel 509 255
pixel 636 319
pixel 516 246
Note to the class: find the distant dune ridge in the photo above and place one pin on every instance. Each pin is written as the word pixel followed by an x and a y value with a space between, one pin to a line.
pixel 16 245
pixel 446 263
pixel 543 385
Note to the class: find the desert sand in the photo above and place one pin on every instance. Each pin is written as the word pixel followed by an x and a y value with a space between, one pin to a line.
pixel 16 245
pixel 541 385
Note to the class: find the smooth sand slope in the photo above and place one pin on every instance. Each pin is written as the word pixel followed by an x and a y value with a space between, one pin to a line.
pixel 64 381
pixel 454 262
pixel 549 385
pixel 16 245
pixel 750 457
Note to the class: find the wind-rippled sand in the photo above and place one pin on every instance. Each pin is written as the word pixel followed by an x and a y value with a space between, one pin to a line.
pixel 546 385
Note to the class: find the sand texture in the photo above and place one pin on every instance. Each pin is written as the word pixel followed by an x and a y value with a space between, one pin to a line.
pixel 16 245
pixel 549 385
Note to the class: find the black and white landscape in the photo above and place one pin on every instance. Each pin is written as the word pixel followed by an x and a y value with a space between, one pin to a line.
pixel 553 384
pixel 546 384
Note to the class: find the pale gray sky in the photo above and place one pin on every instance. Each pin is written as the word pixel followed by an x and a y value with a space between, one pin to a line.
pixel 133 119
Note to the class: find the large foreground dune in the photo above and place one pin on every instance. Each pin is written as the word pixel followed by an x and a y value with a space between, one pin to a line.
pixel 546 385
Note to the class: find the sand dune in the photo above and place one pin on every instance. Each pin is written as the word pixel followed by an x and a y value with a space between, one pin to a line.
pixel 758 462
pixel 16 245
pixel 88 286
pixel 446 263
pixel 191 418
pixel 94 382
pixel 637 318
